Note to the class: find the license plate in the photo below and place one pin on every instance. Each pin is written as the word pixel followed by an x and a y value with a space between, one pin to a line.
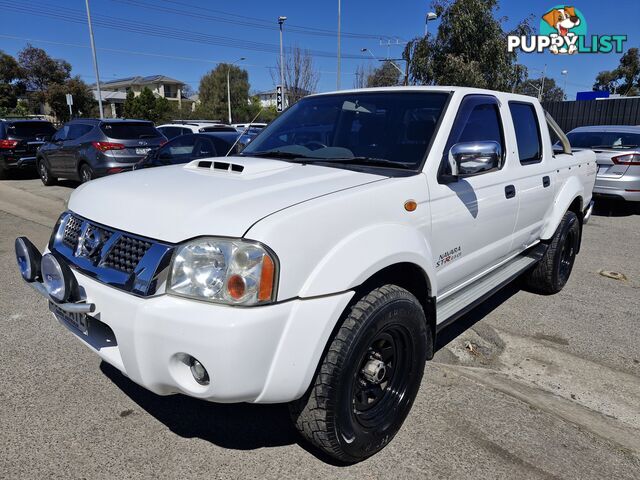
pixel 79 321
pixel 142 151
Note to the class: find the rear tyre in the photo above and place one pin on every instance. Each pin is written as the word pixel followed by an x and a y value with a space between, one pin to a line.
pixel 45 174
pixel 368 378
pixel 551 274
pixel 86 173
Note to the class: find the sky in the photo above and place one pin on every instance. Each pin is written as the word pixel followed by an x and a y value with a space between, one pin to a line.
pixel 184 39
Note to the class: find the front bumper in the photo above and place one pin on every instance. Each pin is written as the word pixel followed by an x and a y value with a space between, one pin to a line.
pixel 265 354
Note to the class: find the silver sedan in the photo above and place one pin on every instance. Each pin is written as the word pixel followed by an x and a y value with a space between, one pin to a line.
pixel 617 149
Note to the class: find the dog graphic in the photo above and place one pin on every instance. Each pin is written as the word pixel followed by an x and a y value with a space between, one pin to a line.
pixel 563 20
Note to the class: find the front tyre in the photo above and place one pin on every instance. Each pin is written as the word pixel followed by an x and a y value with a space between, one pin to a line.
pixel 368 378
pixel 552 272
pixel 45 174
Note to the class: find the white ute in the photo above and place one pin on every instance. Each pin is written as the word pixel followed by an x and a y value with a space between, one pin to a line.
pixel 317 267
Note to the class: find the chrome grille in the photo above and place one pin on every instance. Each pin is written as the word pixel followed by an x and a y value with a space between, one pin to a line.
pixel 72 231
pixel 122 260
pixel 126 254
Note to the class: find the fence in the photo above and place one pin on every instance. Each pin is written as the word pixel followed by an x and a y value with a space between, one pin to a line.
pixel 618 111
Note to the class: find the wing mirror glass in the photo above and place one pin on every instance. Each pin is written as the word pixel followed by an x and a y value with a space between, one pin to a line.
pixel 467 159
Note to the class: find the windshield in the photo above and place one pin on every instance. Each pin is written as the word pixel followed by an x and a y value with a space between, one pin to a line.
pixel 613 140
pixel 379 129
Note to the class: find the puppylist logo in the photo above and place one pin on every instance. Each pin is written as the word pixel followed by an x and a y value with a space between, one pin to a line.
pixel 563 30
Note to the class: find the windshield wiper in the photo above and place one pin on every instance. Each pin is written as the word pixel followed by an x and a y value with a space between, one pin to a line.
pixel 614 147
pixel 382 162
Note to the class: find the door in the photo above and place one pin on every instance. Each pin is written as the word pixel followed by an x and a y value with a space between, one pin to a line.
pixel 473 217
pixel 70 151
pixel 533 174
pixel 54 151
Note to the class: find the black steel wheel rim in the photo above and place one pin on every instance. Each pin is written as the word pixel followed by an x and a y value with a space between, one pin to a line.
pixel 374 403
pixel 567 255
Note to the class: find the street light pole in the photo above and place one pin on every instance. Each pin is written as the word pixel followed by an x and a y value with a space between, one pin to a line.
pixel 95 60
pixel 339 17
pixel 281 23
pixel 565 73
pixel 229 86
pixel 429 17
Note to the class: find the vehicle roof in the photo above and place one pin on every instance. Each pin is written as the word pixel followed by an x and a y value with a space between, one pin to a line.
pixel 442 89
pixel 608 128
pixel 232 135
pixel 107 120
pixel 195 124
pixel 23 120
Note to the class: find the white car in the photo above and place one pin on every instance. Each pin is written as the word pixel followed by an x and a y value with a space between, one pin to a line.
pixel 317 267
pixel 173 130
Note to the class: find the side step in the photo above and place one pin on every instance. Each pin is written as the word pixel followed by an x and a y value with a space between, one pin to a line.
pixel 456 305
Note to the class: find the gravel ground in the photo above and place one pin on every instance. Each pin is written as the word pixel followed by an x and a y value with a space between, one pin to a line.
pixel 525 386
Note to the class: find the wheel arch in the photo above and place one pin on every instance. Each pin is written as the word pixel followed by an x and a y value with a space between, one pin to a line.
pixel 569 198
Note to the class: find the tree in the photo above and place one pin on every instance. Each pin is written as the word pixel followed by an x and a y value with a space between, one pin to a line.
pixel 84 104
pixel 386 75
pixel 551 92
pixel 470 48
pixel 11 82
pixel 146 106
pixel 40 71
pixel 625 79
pixel 213 92
pixel 300 75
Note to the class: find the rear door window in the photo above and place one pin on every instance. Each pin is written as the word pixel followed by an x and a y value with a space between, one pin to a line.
pixel 129 130
pixel 204 148
pixel 525 123
pixel 78 130
pixel 178 150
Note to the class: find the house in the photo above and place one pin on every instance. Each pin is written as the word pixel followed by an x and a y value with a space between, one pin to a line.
pixel 268 98
pixel 112 102
pixel 160 85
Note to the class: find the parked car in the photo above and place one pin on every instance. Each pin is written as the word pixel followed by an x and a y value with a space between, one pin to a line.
pixel 172 130
pixel 317 267
pixel 617 150
pixel 19 142
pixel 255 125
pixel 85 148
pixel 186 148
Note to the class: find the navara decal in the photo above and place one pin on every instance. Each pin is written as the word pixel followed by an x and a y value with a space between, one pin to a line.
pixel 449 256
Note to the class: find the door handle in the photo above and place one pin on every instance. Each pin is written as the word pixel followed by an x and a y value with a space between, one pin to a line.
pixel 546 181
pixel 509 191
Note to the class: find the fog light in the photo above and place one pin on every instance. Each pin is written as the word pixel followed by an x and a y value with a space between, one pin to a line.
pixel 57 278
pixel 28 258
pixel 199 372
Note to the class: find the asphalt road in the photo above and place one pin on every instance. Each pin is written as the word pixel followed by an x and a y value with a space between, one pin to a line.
pixel 525 386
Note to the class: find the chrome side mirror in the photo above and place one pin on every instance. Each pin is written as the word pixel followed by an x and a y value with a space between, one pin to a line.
pixel 467 159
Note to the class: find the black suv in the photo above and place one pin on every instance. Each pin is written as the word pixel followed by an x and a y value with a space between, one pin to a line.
pixel 89 148
pixel 19 142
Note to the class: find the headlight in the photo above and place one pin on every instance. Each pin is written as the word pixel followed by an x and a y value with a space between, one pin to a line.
pixel 235 272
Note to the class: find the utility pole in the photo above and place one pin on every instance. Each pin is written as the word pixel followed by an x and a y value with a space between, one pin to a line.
pixel 95 60
pixel 338 77
pixel 544 74
pixel 281 23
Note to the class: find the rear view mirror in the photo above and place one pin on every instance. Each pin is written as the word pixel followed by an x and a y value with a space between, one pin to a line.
pixel 467 159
